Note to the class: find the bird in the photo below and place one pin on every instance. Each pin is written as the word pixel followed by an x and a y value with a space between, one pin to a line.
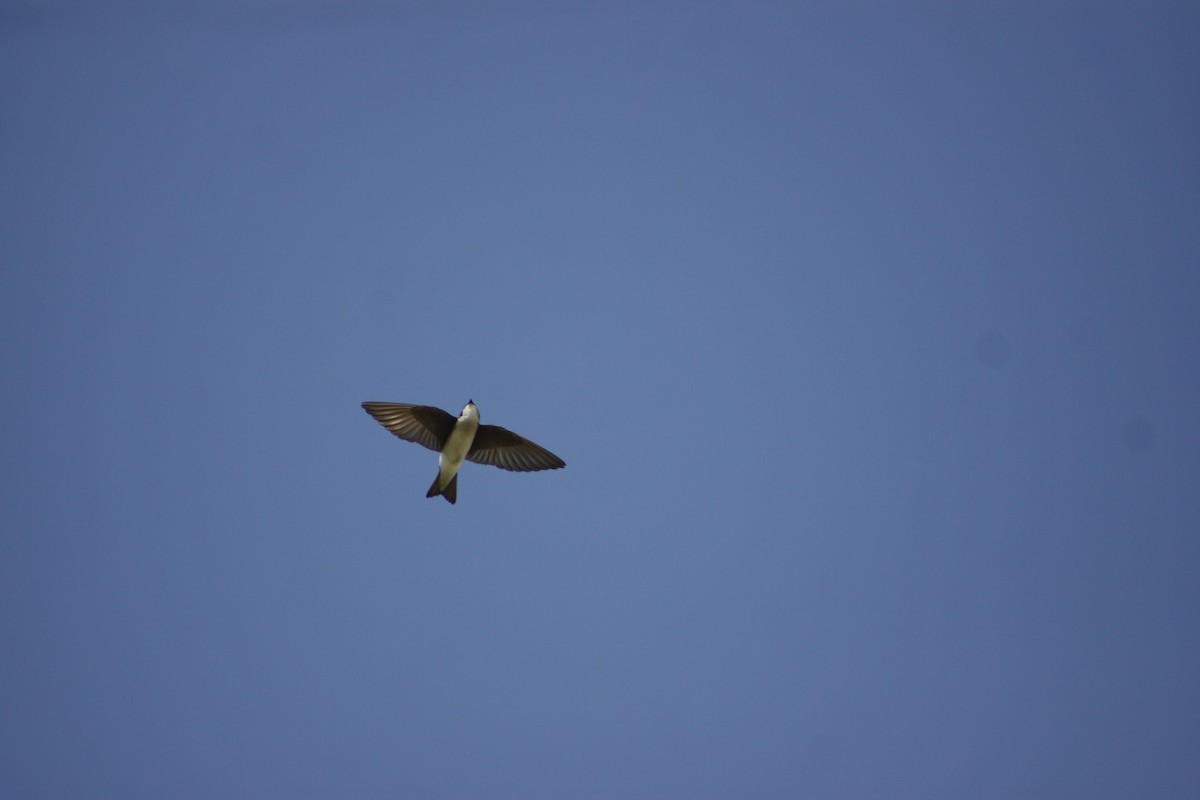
pixel 459 439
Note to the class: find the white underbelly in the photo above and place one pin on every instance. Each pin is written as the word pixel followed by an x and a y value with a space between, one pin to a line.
pixel 455 451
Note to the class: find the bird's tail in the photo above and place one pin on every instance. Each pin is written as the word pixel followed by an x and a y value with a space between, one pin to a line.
pixel 450 492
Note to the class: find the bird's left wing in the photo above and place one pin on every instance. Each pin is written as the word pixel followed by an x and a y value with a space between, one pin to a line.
pixel 425 425
pixel 500 447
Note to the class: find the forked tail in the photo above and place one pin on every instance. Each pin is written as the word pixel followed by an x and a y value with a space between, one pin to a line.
pixel 450 492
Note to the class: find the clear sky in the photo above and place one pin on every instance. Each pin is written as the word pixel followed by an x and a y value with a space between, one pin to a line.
pixel 870 333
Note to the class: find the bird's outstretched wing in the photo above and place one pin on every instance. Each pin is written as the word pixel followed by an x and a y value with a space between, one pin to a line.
pixel 500 447
pixel 425 425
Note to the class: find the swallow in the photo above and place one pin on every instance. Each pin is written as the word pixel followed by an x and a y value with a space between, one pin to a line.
pixel 459 439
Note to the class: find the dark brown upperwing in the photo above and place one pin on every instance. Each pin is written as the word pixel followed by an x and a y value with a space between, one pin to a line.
pixel 500 447
pixel 425 425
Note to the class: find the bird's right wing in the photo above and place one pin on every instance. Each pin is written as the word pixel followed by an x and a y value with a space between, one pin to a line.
pixel 500 447
pixel 425 425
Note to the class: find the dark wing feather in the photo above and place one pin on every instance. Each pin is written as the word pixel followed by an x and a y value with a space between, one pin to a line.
pixel 425 425
pixel 500 447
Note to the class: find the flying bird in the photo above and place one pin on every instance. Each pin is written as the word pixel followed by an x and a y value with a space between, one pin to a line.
pixel 461 438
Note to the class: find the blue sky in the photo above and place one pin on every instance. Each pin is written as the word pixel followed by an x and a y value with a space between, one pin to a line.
pixel 869 332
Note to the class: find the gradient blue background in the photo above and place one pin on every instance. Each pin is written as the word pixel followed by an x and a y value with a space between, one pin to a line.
pixel 870 333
